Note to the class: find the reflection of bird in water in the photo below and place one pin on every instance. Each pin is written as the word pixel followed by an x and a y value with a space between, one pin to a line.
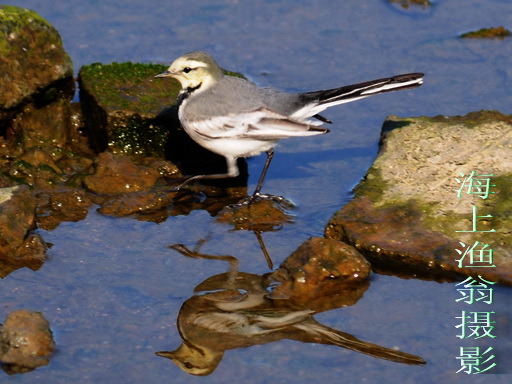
pixel 235 312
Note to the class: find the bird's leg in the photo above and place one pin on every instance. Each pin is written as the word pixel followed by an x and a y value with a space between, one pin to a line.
pixel 233 171
pixel 270 156
pixel 257 192
pixel 195 254
pixel 264 249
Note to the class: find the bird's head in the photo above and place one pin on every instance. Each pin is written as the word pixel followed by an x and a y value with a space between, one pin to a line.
pixel 194 70
pixel 195 360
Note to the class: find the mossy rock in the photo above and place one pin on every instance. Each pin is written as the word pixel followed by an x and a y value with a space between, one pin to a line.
pixel 121 103
pixel 408 213
pixel 34 62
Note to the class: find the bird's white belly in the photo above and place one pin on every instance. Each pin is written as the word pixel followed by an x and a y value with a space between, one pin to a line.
pixel 232 146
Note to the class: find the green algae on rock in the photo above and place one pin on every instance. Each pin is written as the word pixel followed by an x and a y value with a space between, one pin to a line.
pixel 407 214
pixel 34 61
pixel 121 102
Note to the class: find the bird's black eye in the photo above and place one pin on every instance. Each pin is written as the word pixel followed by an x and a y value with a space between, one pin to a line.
pixel 187 69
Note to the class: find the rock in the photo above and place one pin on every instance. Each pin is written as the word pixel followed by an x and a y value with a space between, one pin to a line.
pixel 46 126
pixel 405 4
pixel 62 205
pixel 319 271
pixel 35 167
pixel 120 103
pixel 26 341
pixel 261 215
pixel 18 248
pixel 407 212
pixel 133 203
pixel 34 65
pixel 120 174
pixel 488 33
pixel 17 206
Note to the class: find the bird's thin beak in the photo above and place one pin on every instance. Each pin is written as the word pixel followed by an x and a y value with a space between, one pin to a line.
pixel 165 74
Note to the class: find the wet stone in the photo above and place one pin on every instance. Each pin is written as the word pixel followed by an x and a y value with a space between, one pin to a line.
pixel 259 215
pixel 407 211
pixel 26 342
pixel 55 207
pixel 119 174
pixel 46 126
pixel 34 64
pixel 121 103
pixel 18 248
pixel 134 203
pixel 321 268
pixel 17 217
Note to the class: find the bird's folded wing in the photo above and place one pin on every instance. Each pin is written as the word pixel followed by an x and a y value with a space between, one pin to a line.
pixel 260 124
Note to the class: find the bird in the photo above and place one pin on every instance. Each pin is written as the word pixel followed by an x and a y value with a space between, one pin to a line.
pixel 236 118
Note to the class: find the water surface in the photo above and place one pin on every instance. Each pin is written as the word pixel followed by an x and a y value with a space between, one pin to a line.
pixel 111 288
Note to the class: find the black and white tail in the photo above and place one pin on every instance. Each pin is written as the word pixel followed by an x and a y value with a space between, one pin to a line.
pixel 317 101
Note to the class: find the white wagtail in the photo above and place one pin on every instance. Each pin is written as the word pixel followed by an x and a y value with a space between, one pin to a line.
pixel 233 117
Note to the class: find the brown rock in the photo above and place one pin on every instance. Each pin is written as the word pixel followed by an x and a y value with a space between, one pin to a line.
pixel 46 126
pixel 320 269
pixel 119 174
pixel 260 215
pixel 38 157
pixel 33 61
pixel 26 341
pixel 58 206
pixel 18 248
pixel 17 206
pixel 137 202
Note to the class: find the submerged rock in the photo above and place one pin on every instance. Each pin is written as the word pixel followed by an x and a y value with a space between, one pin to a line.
pixel 259 215
pixel 413 214
pixel 26 341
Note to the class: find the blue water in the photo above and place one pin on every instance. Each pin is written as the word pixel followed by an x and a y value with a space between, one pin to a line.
pixel 112 289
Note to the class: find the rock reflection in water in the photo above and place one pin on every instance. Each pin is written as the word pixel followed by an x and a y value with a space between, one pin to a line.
pixel 236 310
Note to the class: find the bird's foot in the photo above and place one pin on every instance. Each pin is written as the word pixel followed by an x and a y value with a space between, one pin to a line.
pixel 265 197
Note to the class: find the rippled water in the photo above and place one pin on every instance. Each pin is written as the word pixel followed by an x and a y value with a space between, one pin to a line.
pixel 112 289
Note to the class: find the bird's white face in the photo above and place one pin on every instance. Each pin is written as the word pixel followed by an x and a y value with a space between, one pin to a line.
pixel 192 73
